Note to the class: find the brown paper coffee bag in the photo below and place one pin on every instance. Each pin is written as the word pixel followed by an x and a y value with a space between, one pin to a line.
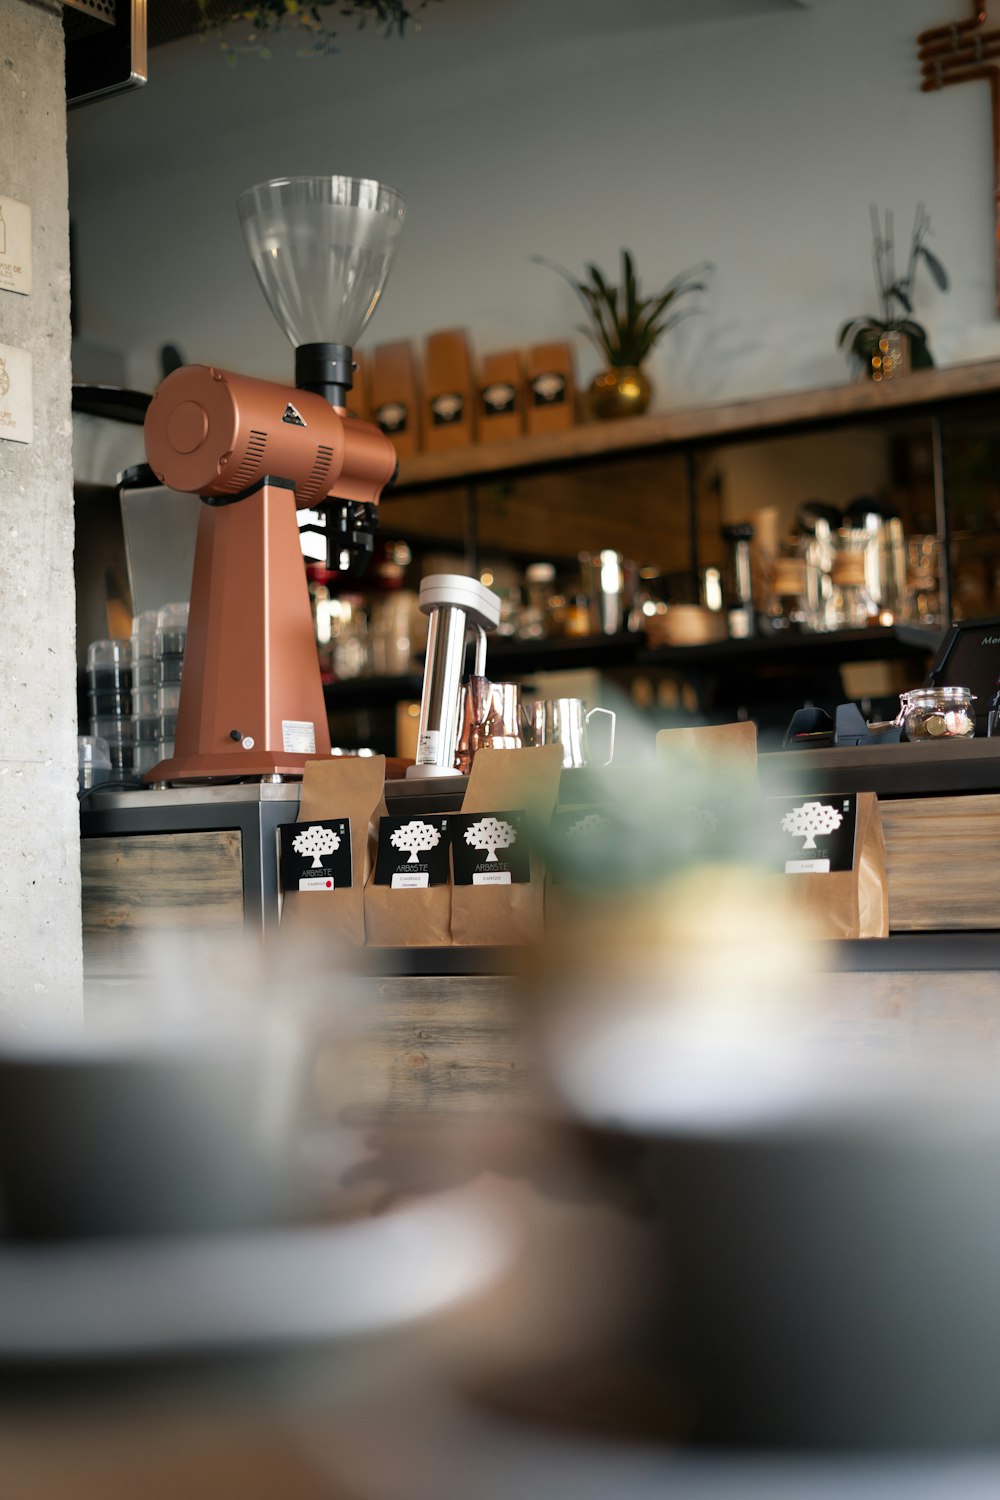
pixel 850 903
pixel 524 781
pixel 418 918
pixel 733 746
pixel 350 787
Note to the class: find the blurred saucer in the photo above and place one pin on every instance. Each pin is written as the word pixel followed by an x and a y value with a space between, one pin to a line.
pixel 113 1299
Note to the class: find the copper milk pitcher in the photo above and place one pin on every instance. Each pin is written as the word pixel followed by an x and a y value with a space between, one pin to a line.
pixel 493 717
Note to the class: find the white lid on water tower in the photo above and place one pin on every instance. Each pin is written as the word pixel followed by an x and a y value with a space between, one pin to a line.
pixel 456 591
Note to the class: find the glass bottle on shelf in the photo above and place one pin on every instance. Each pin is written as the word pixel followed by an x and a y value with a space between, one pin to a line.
pixel 922 602
pixel 710 592
pixel 539 580
pixel 349 655
pixel 785 610
pixel 853 607
pixel 741 618
pixel 396 633
pixel 576 622
pixel 817 550
pixel 510 609
pixel 649 601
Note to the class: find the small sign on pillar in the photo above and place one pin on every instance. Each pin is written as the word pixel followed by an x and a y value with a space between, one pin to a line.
pixel 15 246
pixel 16 404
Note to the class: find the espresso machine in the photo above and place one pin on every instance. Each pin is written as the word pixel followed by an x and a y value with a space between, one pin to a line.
pixel 455 605
pixel 251 702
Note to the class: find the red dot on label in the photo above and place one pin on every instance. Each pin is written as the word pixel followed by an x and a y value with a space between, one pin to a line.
pixel 329 885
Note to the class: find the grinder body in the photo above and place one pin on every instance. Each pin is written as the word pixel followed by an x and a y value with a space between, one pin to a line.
pixel 251 700
pixel 212 433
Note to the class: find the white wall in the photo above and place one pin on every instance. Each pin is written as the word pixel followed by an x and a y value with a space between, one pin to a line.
pixel 754 136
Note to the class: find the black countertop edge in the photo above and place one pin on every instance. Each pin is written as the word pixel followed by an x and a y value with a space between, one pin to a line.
pixel 916 952
pixel 905 952
pixel 387 963
pixel 889 770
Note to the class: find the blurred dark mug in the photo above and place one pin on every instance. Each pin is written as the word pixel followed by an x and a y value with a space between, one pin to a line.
pixel 168 1139
pixel 833 1288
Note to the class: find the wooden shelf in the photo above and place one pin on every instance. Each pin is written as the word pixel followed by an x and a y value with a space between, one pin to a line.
pixel 767 416
pixel 835 647
pixel 520 659
pixel 516 658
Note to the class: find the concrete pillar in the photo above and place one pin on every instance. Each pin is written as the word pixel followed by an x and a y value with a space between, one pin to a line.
pixel 40 949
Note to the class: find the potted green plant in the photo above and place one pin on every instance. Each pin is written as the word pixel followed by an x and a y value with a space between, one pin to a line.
pixel 624 325
pixel 892 343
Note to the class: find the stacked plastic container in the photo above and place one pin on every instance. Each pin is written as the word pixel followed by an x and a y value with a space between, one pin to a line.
pixel 145 692
pixel 109 696
pixel 171 639
pixel 94 760
pixel 158 640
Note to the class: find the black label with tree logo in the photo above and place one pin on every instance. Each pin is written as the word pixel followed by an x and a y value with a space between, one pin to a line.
pixel 316 856
pixel 392 416
pixel 412 852
pixel 490 849
pixel 447 408
pixel 498 398
pixel 548 388
pixel 816 834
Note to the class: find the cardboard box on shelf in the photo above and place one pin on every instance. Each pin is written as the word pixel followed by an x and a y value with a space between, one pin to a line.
pixel 393 395
pixel 501 397
pixel 551 390
pixel 449 420
pixel 357 398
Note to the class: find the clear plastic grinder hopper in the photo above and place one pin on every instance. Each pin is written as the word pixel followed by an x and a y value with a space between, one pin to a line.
pixel 257 452
pixel 322 248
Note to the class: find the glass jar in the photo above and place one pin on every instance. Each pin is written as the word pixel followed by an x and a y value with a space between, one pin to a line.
pixel 539 583
pixel 817 549
pixel 350 654
pixel 922 603
pixel 938 713
pixel 786 608
pixel 853 607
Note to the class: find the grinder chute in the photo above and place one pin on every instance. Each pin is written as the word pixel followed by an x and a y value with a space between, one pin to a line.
pixel 252 698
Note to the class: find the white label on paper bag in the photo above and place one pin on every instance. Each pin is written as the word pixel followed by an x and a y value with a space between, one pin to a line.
pixel 491 877
pixel 16 404
pixel 427 747
pixel 15 246
pixel 316 883
pixel 416 881
pixel 807 867
pixel 298 737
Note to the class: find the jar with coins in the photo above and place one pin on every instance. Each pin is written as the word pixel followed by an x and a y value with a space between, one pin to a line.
pixel 938 713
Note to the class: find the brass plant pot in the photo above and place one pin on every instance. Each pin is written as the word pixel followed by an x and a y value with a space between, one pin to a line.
pixel 621 391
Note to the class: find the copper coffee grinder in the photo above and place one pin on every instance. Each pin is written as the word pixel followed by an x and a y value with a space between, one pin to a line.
pixel 251 702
